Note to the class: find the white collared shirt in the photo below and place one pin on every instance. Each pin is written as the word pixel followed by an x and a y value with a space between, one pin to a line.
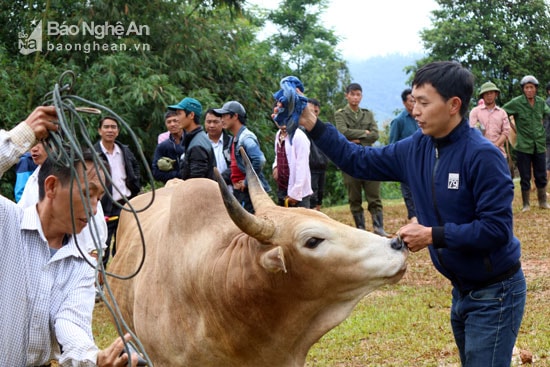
pixel 218 153
pixel 118 172
pixel 46 301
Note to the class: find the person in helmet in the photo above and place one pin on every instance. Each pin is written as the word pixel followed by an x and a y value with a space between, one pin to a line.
pixel 529 111
pixel 490 118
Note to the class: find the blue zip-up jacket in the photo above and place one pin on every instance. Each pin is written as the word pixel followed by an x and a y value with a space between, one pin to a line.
pixel 247 139
pixel 170 149
pixel 24 169
pixel 461 187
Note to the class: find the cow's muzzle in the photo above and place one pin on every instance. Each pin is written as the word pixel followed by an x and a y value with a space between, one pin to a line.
pixel 397 243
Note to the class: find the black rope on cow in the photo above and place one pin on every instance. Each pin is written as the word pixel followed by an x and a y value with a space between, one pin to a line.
pixel 66 146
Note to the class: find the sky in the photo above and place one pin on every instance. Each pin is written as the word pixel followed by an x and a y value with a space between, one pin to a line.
pixel 370 28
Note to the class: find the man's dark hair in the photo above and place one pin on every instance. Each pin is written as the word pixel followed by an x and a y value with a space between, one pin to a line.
pixel 240 117
pixel 169 114
pixel 196 116
pixel 314 102
pixel 52 166
pixel 211 111
pixel 108 118
pixel 405 94
pixel 548 86
pixel 354 86
pixel 450 79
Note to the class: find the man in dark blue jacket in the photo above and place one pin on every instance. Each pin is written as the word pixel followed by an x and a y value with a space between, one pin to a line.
pixel 463 194
pixel 166 160
pixel 402 126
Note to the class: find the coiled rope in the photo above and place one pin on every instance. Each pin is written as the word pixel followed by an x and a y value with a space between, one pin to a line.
pixel 66 146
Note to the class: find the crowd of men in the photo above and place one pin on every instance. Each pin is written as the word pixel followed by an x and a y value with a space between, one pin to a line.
pixel 455 181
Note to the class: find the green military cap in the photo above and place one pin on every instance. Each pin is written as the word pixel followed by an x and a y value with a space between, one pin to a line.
pixel 488 87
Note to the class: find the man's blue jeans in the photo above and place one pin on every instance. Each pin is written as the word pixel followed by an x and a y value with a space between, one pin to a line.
pixel 486 322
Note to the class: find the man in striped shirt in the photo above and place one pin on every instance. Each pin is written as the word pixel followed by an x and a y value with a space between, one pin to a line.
pixel 47 285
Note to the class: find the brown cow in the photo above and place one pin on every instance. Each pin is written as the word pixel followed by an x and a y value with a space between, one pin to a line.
pixel 240 289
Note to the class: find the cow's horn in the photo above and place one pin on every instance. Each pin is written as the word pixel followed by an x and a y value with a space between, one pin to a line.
pixel 260 228
pixel 260 198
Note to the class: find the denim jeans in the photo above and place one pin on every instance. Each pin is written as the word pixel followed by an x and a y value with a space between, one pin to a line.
pixel 486 322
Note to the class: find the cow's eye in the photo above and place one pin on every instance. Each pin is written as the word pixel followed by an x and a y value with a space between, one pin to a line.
pixel 313 242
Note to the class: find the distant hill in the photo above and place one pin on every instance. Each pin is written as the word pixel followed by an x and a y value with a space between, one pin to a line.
pixel 382 79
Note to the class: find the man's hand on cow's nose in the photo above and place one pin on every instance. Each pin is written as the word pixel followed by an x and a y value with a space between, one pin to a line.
pixel 415 236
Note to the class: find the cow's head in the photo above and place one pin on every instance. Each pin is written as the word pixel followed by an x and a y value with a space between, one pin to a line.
pixel 306 244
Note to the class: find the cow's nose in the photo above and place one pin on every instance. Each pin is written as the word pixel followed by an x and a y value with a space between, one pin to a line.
pixel 397 243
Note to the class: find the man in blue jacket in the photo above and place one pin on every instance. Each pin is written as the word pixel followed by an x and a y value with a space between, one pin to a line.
pixel 234 119
pixel 166 160
pixel 463 194
pixel 402 126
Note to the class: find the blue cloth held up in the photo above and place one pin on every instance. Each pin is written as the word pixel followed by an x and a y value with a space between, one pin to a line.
pixel 292 104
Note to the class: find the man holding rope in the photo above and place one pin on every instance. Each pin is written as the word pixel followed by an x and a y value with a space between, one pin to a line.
pixel 47 285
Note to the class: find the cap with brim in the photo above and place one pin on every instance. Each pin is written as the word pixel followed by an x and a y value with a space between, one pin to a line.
pixel 188 104
pixel 488 87
pixel 231 107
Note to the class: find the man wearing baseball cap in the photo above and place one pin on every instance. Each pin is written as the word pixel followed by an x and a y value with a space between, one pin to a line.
pixel 198 159
pixel 234 119
pixel 490 118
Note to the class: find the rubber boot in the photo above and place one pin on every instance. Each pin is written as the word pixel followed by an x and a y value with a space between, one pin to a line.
pixel 525 198
pixel 378 224
pixel 541 195
pixel 359 219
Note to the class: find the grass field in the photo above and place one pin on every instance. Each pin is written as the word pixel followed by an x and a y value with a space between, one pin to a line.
pixel 406 324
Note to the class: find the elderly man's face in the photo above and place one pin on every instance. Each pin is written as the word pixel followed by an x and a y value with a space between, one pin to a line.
pixel 67 202
pixel 530 90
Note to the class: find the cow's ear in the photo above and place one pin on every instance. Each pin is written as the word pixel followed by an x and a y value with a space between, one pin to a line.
pixel 274 260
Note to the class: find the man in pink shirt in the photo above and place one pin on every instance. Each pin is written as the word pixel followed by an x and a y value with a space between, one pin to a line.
pixel 491 119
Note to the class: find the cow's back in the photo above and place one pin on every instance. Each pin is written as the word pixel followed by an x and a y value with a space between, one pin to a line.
pixel 176 246
pixel 176 208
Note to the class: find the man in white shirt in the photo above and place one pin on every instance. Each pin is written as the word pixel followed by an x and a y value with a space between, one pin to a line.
pixel 221 143
pixel 125 178
pixel 47 286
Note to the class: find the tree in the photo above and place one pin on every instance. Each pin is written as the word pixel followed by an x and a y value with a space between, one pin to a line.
pixel 309 52
pixel 498 40
pixel 204 49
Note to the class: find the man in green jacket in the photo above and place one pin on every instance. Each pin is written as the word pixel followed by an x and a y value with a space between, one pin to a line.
pixel 529 110
pixel 358 126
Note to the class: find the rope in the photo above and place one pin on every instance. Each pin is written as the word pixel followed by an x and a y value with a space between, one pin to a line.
pixel 66 146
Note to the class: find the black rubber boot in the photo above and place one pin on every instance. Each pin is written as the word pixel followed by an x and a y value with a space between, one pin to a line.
pixel 378 224
pixel 541 195
pixel 525 198
pixel 359 219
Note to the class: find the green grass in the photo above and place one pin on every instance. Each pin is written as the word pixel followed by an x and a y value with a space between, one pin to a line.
pixel 407 324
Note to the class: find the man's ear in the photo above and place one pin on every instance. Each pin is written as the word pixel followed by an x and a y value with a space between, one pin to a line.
pixel 50 186
pixel 455 104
